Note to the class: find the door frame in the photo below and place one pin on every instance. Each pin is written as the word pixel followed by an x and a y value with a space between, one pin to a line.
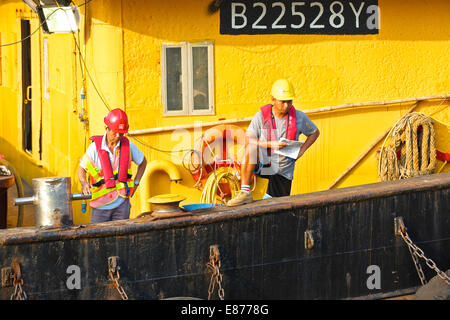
pixel 34 92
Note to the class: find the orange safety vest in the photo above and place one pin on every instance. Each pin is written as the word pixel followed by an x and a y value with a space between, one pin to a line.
pixel 110 182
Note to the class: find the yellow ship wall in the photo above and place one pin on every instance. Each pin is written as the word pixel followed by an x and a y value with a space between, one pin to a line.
pixel 120 44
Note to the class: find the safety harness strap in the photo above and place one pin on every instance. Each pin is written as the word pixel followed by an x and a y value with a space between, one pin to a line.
pixel 270 126
pixel 108 175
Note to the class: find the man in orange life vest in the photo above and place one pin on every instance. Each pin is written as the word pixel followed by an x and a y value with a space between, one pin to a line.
pixel 273 122
pixel 107 162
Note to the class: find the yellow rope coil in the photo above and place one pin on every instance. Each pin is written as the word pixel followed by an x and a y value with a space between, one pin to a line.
pixel 209 193
pixel 417 149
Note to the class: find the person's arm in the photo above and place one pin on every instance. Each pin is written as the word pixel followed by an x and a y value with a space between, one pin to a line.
pixel 308 142
pixel 139 173
pixel 255 130
pixel 265 144
pixel 85 186
pixel 272 144
pixel 140 170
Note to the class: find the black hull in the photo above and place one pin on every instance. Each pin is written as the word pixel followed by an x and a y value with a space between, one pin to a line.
pixel 261 245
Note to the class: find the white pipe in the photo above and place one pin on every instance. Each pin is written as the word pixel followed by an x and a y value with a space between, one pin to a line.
pixel 311 111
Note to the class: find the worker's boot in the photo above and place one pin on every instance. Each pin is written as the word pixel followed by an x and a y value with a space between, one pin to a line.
pixel 241 198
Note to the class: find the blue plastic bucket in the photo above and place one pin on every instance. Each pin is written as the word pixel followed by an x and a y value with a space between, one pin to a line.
pixel 190 207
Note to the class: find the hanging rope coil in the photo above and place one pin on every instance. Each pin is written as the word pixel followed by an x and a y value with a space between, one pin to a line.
pixel 412 149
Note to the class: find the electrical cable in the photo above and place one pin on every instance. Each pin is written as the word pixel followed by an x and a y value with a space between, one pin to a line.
pixel 31 34
pixel 81 4
pixel 24 39
pixel 109 108
pixel 105 103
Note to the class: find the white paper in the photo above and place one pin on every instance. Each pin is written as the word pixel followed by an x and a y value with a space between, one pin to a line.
pixel 291 150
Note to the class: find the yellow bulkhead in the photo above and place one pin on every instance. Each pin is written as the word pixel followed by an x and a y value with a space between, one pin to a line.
pixel 117 60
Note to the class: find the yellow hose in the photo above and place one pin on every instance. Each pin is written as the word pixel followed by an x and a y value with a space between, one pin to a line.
pixel 209 194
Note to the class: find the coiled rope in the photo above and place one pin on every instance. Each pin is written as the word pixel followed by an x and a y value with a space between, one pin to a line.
pixel 209 193
pixel 417 149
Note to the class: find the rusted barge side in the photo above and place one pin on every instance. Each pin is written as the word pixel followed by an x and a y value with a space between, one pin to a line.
pixel 311 246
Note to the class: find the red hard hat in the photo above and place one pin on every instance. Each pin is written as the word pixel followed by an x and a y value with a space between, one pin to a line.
pixel 117 121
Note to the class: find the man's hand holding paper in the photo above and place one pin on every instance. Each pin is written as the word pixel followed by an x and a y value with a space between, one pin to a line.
pixel 291 149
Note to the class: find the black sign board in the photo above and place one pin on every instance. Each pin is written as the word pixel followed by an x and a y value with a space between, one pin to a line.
pixel 299 17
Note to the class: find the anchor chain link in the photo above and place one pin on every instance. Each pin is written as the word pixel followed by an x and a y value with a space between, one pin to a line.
pixel 114 276
pixel 19 293
pixel 418 266
pixel 216 277
pixel 416 253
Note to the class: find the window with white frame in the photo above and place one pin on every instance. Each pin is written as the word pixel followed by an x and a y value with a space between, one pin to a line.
pixel 187 78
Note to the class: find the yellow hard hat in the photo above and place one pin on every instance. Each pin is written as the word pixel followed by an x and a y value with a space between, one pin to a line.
pixel 282 90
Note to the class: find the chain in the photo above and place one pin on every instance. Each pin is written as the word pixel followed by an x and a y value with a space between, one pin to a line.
pixel 216 277
pixel 418 266
pixel 19 293
pixel 115 276
pixel 416 252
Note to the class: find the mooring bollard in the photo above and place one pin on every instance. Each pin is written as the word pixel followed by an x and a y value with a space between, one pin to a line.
pixel 53 201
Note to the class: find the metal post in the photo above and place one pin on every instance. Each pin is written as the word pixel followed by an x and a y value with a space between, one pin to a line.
pixel 53 201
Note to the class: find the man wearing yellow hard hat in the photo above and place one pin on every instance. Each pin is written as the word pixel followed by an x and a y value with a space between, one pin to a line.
pixel 263 156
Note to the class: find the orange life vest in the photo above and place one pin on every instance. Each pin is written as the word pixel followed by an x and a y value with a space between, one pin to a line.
pixel 110 182
pixel 271 129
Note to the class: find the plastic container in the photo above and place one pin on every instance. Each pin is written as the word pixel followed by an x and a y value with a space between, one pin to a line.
pixel 195 206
